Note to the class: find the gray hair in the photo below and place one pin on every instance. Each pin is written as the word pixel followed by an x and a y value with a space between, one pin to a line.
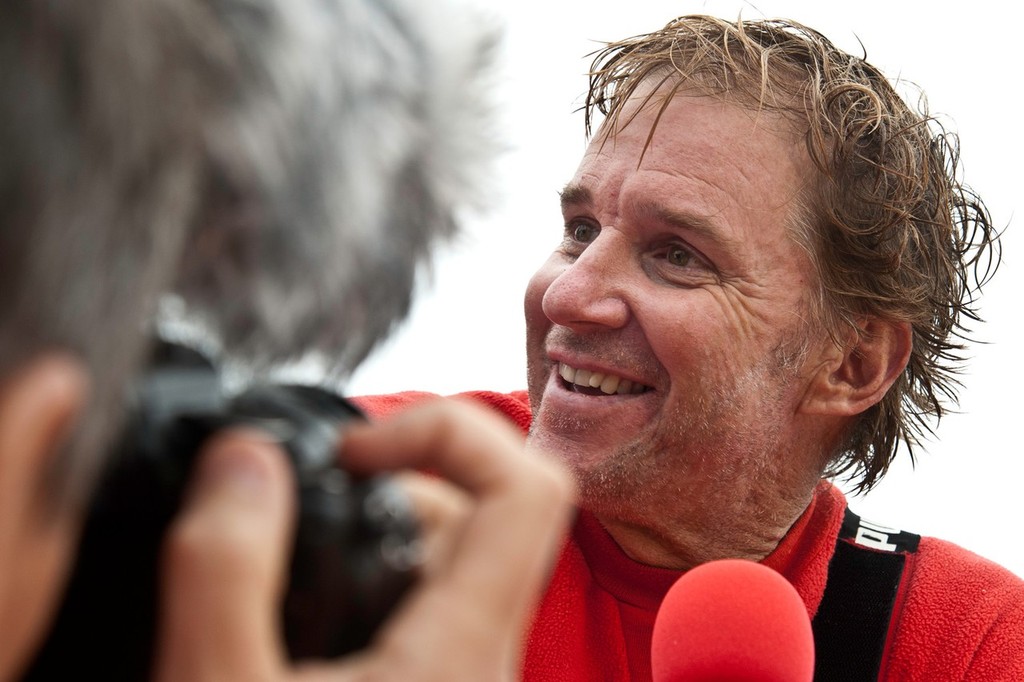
pixel 99 133
pixel 279 167
pixel 351 136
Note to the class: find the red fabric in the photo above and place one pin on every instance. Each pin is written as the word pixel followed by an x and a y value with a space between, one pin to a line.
pixel 959 616
pixel 962 619
pixel 600 606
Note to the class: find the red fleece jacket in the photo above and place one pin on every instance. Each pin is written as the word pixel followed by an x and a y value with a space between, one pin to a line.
pixel 958 616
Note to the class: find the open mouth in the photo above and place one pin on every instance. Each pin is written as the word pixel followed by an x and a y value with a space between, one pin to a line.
pixel 596 383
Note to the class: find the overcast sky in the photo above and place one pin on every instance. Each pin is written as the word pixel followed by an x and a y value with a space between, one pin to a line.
pixel 466 331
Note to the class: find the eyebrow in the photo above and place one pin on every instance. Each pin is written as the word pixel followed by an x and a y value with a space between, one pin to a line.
pixel 575 194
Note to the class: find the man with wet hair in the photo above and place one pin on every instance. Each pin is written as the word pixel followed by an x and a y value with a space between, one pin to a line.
pixel 260 178
pixel 766 273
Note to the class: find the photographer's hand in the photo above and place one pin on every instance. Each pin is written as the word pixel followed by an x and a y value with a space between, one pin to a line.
pixel 226 555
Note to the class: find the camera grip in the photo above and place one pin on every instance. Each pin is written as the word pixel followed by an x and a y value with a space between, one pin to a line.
pixel 356 549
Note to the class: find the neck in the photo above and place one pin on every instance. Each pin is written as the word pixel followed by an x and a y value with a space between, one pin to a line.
pixel 695 529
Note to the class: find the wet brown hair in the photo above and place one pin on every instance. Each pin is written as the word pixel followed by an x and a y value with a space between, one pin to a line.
pixel 891 229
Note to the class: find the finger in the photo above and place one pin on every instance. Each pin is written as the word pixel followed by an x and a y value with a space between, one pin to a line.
pixel 522 509
pixel 443 436
pixel 224 564
pixel 442 511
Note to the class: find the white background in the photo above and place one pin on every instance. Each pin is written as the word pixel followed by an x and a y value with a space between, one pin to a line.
pixel 466 331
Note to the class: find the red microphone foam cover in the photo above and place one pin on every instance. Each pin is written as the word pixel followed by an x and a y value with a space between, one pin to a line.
pixel 732 621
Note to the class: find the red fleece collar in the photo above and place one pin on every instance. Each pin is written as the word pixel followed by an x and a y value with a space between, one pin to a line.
pixel 802 556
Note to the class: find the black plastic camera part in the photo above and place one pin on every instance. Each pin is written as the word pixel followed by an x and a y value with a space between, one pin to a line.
pixel 356 547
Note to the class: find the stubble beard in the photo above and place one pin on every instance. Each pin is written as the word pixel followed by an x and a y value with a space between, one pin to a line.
pixel 705 463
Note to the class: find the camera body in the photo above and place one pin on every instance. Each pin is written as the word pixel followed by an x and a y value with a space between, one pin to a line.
pixel 356 548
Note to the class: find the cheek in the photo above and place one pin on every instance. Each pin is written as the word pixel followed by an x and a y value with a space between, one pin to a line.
pixel 533 301
pixel 690 335
pixel 537 326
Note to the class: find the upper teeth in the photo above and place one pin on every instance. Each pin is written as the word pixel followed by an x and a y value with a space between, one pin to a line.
pixel 608 383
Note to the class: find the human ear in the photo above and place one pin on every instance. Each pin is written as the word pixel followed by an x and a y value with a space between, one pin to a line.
pixel 859 375
pixel 39 404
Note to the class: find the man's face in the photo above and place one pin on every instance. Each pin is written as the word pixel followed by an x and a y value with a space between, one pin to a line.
pixel 678 289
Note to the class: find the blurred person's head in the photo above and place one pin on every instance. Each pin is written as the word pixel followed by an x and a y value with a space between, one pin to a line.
pixel 266 174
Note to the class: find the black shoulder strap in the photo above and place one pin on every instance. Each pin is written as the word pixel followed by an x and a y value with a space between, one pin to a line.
pixel 852 623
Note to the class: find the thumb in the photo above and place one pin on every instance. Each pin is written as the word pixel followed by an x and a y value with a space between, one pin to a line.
pixel 224 565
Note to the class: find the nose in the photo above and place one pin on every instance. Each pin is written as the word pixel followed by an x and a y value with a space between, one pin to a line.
pixel 591 291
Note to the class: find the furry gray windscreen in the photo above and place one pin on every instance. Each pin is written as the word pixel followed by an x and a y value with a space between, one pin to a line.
pixel 354 133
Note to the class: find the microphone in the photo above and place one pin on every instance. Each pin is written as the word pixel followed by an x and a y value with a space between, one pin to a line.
pixel 732 621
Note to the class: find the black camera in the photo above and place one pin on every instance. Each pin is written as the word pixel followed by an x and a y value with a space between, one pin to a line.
pixel 356 547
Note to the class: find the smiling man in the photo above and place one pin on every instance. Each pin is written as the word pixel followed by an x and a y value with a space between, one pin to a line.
pixel 766 262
